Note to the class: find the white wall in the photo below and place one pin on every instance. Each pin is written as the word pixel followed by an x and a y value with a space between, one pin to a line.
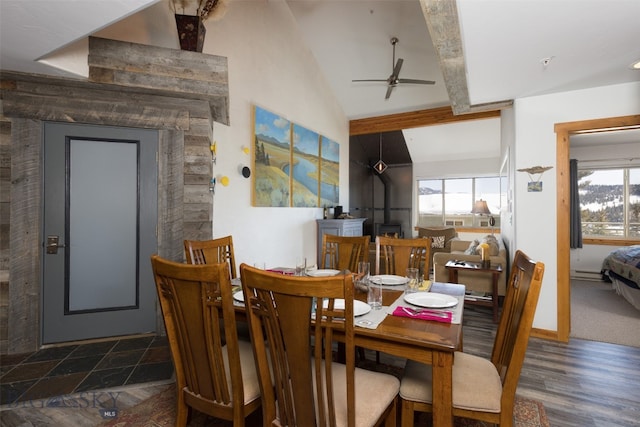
pixel 463 149
pixel 269 66
pixel 507 167
pixel 535 145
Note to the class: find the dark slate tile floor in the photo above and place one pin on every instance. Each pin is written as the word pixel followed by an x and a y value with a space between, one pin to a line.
pixel 76 368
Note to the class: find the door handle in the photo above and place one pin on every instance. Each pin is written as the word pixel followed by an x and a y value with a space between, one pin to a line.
pixel 53 245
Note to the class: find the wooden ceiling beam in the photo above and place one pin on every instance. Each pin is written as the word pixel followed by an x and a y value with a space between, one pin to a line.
pixel 414 119
pixel 442 21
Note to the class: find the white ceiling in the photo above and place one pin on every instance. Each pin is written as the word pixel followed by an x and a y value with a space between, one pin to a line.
pixel 590 42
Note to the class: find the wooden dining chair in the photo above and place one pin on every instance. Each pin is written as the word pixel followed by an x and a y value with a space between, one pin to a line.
pixel 211 251
pixel 304 386
pixel 344 252
pixel 213 377
pixel 394 256
pixel 485 389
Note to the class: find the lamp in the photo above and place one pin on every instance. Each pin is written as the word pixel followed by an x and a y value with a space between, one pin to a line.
pixel 380 166
pixel 480 208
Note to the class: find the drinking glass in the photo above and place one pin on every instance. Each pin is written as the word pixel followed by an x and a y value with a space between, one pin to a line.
pixel 363 270
pixel 374 292
pixel 301 266
pixel 413 285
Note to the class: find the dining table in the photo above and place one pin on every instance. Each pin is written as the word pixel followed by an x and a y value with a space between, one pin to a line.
pixel 426 341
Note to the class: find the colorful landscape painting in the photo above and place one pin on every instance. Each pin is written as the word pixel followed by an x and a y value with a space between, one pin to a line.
pixel 293 166
pixel 329 172
pixel 306 167
pixel 272 154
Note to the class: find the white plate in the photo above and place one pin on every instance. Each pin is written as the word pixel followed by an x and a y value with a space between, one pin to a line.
pixel 359 307
pixel 322 273
pixel 431 300
pixel 238 296
pixel 390 279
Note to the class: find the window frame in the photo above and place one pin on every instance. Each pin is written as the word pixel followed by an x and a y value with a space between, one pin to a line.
pixel 626 238
pixel 448 219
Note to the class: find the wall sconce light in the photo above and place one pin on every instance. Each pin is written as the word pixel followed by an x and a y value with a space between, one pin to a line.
pixel 480 208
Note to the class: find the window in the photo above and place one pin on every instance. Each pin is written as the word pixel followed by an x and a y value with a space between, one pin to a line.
pixel 610 202
pixel 450 201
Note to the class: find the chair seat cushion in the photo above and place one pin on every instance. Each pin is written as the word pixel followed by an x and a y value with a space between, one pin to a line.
pixel 250 382
pixel 374 393
pixel 476 383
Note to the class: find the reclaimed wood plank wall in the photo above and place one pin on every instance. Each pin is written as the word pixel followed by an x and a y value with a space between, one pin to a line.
pixel 141 94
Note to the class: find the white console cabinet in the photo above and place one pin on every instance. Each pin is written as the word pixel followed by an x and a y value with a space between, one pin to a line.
pixel 338 227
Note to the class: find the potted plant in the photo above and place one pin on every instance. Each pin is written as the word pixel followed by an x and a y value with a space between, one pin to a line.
pixel 190 16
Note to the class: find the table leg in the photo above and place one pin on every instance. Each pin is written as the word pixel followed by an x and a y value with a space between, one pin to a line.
pixel 494 297
pixel 453 275
pixel 442 369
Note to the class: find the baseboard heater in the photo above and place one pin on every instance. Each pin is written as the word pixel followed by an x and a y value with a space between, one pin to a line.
pixel 586 275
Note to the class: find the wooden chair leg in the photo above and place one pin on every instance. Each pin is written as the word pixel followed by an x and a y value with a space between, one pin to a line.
pixel 406 413
pixel 182 412
pixel 361 355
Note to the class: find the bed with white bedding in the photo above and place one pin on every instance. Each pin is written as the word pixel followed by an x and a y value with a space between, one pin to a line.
pixel 622 267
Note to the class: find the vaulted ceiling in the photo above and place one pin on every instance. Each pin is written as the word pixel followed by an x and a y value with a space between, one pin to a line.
pixel 480 53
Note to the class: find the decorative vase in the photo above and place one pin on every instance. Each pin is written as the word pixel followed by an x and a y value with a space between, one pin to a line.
pixel 191 32
pixel 484 256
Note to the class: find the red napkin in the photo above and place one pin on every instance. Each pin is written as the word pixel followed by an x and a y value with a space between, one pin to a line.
pixel 286 271
pixel 423 314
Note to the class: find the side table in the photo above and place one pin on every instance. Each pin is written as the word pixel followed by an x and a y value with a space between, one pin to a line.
pixel 494 269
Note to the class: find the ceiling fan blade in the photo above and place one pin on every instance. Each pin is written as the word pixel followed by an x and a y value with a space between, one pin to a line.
pixel 417 81
pixel 389 89
pixel 396 70
pixel 370 80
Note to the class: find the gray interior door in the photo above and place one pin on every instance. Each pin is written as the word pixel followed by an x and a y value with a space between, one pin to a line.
pixel 100 217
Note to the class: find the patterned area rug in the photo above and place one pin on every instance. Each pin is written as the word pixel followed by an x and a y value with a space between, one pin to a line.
pixel 159 411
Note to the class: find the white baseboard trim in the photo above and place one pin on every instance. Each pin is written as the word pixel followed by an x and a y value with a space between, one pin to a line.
pixel 586 275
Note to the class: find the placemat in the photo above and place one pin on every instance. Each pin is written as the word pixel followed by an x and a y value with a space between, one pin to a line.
pixel 372 319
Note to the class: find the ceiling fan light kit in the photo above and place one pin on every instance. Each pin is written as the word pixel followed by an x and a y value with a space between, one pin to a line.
pixel 394 79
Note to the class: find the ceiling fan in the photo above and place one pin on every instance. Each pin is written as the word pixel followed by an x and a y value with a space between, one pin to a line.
pixel 394 79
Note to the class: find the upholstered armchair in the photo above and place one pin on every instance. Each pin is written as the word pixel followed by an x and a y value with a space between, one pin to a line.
pixel 441 238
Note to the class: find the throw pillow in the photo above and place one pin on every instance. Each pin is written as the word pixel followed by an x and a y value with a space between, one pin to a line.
pixel 494 247
pixel 473 246
pixel 437 242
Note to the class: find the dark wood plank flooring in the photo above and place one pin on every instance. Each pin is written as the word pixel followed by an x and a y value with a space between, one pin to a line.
pixel 582 383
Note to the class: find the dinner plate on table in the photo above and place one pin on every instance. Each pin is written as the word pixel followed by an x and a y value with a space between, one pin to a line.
pixel 431 300
pixel 238 296
pixel 322 272
pixel 390 279
pixel 359 308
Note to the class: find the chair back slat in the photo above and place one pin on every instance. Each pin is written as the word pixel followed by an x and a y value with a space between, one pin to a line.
pixel 343 252
pixel 394 256
pixel 212 251
pixel 280 310
pixel 516 321
pixel 199 318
